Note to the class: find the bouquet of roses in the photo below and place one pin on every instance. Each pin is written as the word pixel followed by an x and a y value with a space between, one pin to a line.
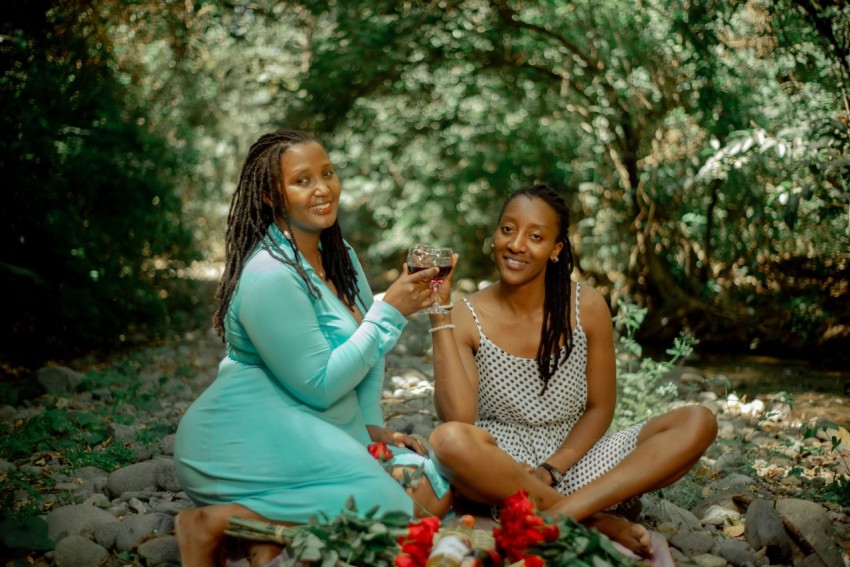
pixel 392 539
pixel 526 536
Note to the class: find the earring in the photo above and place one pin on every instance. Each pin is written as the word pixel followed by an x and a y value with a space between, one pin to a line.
pixel 555 260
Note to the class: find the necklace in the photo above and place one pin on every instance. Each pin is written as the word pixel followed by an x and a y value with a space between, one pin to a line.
pixel 319 271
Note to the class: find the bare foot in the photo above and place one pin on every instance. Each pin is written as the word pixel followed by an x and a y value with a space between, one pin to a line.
pixel 261 554
pixel 630 535
pixel 198 544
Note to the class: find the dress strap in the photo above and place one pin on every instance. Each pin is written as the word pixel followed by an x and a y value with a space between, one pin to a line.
pixel 578 319
pixel 474 316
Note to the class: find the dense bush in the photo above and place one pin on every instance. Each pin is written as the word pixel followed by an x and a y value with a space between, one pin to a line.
pixel 91 191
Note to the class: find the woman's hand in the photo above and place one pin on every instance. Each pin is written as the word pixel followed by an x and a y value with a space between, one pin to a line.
pixel 396 439
pixel 411 292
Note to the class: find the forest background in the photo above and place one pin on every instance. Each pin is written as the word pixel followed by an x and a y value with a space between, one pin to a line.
pixel 703 145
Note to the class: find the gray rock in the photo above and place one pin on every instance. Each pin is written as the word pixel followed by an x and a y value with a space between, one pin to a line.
pixel 77 551
pixel 737 552
pixel 679 558
pixel 99 500
pixel 733 481
pixel 106 534
pixel 765 529
pixel 119 510
pixel 136 477
pixel 58 380
pixel 140 452
pixel 31 470
pixel 708 560
pixel 143 495
pixel 138 506
pixel 729 461
pixel 166 444
pixel 419 423
pixel 135 529
pixel 811 521
pixel 809 561
pixel 82 494
pixel 7 413
pixel 172 508
pixel 693 544
pixel 5 466
pixel 683 520
pixel 160 551
pixel 77 519
pixel 166 476
pixel 719 516
pixel 66 486
pixel 121 432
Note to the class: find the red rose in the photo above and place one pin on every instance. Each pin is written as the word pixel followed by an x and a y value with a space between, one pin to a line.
pixel 534 561
pixel 518 504
pixel 380 451
pixel 416 545
pixel 423 531
pixel 521 529
pixel 404 560
pixel 551 532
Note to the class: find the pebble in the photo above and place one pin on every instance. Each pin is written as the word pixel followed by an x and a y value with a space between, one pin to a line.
pixel 132 509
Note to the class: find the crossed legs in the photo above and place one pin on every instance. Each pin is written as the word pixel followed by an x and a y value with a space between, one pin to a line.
pixel 667 447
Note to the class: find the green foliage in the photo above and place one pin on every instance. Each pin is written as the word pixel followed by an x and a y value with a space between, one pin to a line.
pixel 350 537
pixel 702 146
pixel 77 437
pixel 641 391
pixel 24 535
pixel 837 490
pixel 368 539
pixel 93 192
pixel 580 547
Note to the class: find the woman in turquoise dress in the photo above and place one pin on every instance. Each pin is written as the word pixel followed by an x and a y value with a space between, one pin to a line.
pixel 281 433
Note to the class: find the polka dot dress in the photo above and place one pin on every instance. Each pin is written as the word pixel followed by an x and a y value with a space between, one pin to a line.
pixel 530 427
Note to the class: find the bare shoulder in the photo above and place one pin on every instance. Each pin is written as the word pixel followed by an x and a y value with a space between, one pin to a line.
pixel 595 313
pixel 466 332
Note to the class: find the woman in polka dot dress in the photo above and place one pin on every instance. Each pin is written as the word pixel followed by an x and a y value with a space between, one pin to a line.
pixel 525 381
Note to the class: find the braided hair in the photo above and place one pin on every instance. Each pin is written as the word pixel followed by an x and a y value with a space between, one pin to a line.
pixel 557 303
pixel 257 202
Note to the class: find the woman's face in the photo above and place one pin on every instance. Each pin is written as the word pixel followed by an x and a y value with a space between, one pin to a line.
pixel 526 239
pixel 310 188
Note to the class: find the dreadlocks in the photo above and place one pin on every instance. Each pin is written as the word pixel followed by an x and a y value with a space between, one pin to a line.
pixel 251 215
pixel 557 303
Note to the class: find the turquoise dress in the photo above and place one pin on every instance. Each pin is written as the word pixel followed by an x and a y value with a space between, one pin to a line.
pixel 282 429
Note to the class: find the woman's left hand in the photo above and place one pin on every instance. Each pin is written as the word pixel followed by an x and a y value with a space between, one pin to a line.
pixel 396 439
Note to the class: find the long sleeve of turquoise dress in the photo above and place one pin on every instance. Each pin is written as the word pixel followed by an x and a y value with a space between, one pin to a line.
pixel 282 429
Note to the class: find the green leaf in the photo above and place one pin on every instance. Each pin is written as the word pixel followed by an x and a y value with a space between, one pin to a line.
pixel 28 533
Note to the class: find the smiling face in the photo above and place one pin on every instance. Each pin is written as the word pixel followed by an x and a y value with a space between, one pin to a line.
pixel 526 239
pixel 310 188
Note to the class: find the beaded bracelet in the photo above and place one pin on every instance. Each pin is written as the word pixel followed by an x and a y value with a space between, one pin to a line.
pixel 433 330
pixel 447 307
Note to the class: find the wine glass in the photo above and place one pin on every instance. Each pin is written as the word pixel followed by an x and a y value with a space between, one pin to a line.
pixel 421 257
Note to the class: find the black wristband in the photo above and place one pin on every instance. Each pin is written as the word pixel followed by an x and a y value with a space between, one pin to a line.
pixel 557 476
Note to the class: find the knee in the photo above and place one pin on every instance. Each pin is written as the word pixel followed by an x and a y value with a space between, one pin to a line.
pixel 701 423
pixel 451 440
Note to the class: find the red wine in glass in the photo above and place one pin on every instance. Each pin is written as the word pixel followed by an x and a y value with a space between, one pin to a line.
pixel 421 257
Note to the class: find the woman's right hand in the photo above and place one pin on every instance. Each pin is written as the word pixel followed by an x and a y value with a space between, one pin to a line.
pixel 411 292
pixel 444 293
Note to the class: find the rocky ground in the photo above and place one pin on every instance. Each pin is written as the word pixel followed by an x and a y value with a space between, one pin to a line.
pixel 759 497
